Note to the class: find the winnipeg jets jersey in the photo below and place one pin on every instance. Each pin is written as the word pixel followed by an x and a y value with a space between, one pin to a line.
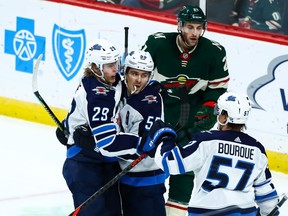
pixel 95 104
pixel 231 171
pixel 137 115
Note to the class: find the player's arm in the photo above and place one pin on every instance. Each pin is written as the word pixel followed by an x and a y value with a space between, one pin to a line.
pixel 113 144
pixel 151 44
pixel 77 114
pixel 175 160
pixel 217 85
pixel 266 195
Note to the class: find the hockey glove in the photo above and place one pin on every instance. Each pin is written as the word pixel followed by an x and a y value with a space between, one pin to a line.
pixel 205 118
pixel 159 132
pixel 245 22
pixel 61 136
pixel 83 137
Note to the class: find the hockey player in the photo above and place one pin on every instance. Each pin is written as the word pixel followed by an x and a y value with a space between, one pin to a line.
pixel 142 188
pixel 231 167
pixel 185 60
pixel 94 103
pixel 260 15
pixel 142 106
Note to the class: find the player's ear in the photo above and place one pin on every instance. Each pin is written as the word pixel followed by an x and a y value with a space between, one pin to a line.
pixel 179 27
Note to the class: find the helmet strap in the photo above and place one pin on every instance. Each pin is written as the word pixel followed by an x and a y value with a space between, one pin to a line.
pixel 220 123
pixel 101 77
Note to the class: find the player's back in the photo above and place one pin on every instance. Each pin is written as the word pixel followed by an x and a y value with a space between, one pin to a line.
pixel 231 164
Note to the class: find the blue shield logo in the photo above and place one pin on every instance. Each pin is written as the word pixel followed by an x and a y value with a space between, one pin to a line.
pixel 68 49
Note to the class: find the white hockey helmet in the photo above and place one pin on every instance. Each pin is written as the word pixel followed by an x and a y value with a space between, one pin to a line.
pixel 237 106
pixel 102 52
pixel 140 60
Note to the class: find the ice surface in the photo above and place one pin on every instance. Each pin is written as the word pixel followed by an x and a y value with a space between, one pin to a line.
pixel 31 182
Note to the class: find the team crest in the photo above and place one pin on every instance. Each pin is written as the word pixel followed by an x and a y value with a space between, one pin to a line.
pixel 150 99
pixel 100 90
pixel 68 49
pixel 181 79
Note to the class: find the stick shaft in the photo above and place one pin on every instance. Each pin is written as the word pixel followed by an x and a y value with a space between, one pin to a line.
pixel 126 29
pixel 39 97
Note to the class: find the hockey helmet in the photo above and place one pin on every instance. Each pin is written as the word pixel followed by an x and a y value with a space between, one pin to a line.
pixel 140 60
pixel 192 14
pixel 102 52
pixel 237 106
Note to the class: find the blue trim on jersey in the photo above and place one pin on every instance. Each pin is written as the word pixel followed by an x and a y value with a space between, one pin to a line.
pixel 265 182
pixel 144 181
pixel 271 195
pixel 179 161
pixel 105 141
pixel 73 150
pixel 104 128
pixel 165 164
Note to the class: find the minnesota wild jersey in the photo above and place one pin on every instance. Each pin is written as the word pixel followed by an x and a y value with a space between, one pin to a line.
pixel 203 70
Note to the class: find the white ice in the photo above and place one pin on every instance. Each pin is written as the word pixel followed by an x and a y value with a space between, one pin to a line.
pixel 31 181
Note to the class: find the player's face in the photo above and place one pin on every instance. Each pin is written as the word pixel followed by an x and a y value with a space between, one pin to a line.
pixel 110 70
pixel 136 80
pixel 191 32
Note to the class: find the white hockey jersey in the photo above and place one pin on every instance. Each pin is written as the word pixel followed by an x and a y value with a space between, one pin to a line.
pixel 231 172
pixel 95 104
pixel 137 115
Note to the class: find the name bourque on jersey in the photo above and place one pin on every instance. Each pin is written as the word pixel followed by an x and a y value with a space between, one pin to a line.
pixel 226 164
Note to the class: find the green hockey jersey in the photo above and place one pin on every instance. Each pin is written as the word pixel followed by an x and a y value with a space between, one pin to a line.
pixel 203 71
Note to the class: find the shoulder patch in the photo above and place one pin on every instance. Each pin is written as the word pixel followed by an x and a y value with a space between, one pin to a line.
pixel 150 99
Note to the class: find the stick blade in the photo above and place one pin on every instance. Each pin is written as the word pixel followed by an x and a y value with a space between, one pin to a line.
pixel 35 72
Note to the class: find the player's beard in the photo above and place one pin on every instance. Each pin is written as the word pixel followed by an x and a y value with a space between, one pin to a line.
pixel 189 42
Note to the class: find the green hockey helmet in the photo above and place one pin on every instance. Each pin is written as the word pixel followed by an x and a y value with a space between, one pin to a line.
pixel 192 14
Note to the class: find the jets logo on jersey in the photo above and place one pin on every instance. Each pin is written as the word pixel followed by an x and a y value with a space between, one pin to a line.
pixel 100 90
pixel 150 99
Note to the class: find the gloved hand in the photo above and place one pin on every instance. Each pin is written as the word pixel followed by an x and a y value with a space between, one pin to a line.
pixel 83 137
pixel 61 136
pixel 205 118
pixel 245 22
pixel 159 132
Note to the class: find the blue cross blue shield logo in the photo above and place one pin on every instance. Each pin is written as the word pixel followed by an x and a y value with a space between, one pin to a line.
pixel 68 49
pixel 24 44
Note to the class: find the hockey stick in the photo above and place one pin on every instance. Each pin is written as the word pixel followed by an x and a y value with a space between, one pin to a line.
pixel 108 185
pixel 42 101
pixel 125 49
pixel 184 108
pixel 126 41
pixel 280 203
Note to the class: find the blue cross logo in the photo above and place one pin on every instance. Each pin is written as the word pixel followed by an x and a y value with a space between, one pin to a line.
pixel 24 44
